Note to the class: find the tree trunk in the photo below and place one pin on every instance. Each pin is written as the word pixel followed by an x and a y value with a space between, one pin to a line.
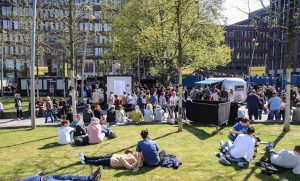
pixel 72 59
pixel 179 63
pixel 288 102
pixel 292 29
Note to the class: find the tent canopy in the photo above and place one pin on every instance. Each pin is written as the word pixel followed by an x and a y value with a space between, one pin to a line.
pixel 210 81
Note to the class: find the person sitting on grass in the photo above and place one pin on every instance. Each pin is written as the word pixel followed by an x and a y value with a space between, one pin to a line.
pixel 120 115
pixel 106 129
pixel 239 128
pixel 242 148
pixel 128 160
pixel 149 116
pixel 159 114
pixel 65 133
pixel 148 150
pixel 87 114
pixel 98 112
pixel 78 124
pixel 286 159
pixel 39 177
pixel 111 114
pixel 69 115
pixel 95 131
pixel 136 115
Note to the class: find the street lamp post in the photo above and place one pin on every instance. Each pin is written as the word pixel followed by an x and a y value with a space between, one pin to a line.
pixel 255 44
pixel 2 62
pixel 32 93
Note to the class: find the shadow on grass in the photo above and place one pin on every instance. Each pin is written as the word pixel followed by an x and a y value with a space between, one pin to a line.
pixel 28 142
pixel 253 169
pixel 163 136
pixel 51 145
pixel 142 171
pixel 17 130
pixel 199 133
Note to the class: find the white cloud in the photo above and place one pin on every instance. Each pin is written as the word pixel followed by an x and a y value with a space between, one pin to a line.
pixel 233 14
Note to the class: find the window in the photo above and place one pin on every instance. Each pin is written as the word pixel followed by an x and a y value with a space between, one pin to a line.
pixel 7 24
pixel 89 67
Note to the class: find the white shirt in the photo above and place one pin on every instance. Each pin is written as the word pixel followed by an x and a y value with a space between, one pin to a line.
pixel 1 106
pixel 287 159
pixel 215 96
pixel 243 147
pixel 174 100
pixel 64 135
pixel 129 99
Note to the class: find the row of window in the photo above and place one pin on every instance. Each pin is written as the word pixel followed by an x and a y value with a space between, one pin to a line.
pixel 246 34
pixel 247 44
pixel 47 26
pixel 21 50
pixel 248 55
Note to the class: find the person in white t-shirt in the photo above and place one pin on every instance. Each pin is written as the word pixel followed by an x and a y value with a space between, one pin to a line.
pixel 243 146
pixel 173 103
pixel 65 133
pixel 1 108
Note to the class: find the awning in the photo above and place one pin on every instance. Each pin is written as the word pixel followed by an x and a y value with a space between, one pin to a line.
pixel 209 81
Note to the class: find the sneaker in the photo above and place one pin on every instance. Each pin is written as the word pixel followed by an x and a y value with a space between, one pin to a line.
pixel 268 145
pixel 267 172
pixel 222 143
pixel 81 157
pixel 112 135
pixel 97 174
pixel 223 161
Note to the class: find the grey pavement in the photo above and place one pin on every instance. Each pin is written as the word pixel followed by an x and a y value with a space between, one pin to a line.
pixel 26 123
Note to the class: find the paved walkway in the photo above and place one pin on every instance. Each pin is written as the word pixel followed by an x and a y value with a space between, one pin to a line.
pixel 13 123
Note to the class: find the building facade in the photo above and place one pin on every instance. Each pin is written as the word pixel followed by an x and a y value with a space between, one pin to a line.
pixel 52 36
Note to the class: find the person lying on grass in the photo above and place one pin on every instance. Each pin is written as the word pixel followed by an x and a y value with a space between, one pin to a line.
pixel 65 133
pixel 128 160
pixel 148 150
pixel 239 128
pixel 39 177
pixel 286 159
pixel 242 148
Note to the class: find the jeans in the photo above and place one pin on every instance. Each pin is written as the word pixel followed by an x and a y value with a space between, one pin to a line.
pixel 282 114
pixel 49 114
pixel 59 178
pixel 253 112
pixel 19 113
pixel 184 113
pixel 232 137
pixel 69 178
pixel 101 160
pixel 273 113
pixel 106 131
pixel 260 114
pixel 270 151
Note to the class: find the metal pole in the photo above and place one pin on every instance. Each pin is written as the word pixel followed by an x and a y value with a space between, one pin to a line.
pixel 252 55
pixel 84 57
pixel 2 60
pixel 32 98
pixel 139 68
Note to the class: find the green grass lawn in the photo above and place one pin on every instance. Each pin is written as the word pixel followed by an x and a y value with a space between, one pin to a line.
pixel 24 152
pixel 9 103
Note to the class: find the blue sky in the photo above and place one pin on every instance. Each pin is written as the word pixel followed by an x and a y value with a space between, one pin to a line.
pixel 234 15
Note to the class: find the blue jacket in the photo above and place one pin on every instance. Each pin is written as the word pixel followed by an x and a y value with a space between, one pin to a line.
pixel 252 102
pixel 170 161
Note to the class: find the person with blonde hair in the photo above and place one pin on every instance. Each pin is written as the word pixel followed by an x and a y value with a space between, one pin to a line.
pixel 136 115
pixel 149 116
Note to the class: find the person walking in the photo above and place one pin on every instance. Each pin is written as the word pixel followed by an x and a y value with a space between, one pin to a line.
pixel 49 110
pixel 252 105
pixel 18 106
